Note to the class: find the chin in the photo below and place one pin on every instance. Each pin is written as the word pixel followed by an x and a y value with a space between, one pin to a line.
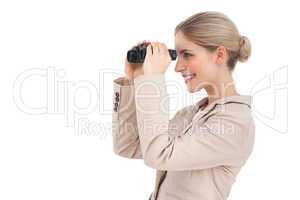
pixel 192 89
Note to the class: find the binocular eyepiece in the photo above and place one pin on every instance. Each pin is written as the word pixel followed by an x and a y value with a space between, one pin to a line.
pixel 137 53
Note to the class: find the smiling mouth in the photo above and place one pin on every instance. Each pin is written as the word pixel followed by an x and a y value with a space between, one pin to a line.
pixel 189 77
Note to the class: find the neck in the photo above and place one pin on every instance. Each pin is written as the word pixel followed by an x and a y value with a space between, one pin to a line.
pixel 222 89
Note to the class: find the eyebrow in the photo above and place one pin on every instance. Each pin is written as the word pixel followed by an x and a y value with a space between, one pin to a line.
pixel 183 50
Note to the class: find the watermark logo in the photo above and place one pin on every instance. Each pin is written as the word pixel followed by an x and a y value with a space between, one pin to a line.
pixel 273 89
pixel 63 97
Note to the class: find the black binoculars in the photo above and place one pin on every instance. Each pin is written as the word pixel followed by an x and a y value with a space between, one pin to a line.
pixel 137 53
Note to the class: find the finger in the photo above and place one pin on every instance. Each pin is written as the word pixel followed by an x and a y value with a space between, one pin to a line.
pixel 140 42
pixel 166 51
pixel 152 48
pixel 147 42
pixel 164 48
pixel 158 47
pixel 155 48
pixel 148 52
pixel 144 42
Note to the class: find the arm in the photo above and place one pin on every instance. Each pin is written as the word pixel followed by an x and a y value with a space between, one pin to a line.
pixel 221 140
pixel 125 134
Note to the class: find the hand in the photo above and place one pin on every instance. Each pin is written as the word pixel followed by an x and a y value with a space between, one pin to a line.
pixel 157 58
pixel 133 70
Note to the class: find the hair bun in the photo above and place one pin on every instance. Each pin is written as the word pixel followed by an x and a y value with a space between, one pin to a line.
pixel 245 49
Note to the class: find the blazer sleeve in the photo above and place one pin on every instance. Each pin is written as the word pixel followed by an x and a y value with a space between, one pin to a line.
pixel 225 138
pixel 124 131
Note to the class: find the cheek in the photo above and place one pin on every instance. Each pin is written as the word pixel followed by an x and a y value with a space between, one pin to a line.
pixel 194 66
pixel 204 70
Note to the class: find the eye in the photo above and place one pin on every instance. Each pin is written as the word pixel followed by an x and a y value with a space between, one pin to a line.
pixel 186 55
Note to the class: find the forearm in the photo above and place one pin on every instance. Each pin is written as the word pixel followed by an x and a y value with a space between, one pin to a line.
pixel 124 132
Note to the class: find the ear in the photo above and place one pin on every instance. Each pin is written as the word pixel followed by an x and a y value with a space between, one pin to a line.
pixel 221 55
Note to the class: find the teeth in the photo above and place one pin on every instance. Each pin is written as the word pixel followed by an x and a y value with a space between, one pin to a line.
pixel 189 77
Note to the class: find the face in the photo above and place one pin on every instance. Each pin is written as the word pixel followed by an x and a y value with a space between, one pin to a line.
pixel 197 65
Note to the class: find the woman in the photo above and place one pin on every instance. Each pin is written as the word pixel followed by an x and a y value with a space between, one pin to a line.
pixel 200 151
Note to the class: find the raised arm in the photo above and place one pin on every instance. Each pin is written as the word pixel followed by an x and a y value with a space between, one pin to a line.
pixel 226 138
pixel 125 134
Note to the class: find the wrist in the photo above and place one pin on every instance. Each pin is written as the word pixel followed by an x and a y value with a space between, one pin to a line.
pixel 152 73
pixel 126 81
pixel 137 73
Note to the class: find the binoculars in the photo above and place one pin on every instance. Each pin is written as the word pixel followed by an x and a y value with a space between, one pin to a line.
pixel 137 53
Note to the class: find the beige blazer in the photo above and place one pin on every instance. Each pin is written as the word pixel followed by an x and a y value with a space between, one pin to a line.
pixel 197 154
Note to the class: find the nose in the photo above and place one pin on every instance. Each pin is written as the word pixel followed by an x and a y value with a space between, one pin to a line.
pixel 179 66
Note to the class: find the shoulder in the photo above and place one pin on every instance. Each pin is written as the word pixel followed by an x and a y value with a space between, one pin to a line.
pixel 234 120
pixel 231 123
pixel 235 114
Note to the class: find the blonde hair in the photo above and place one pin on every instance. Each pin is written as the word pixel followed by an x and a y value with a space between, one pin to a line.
pixel 211 29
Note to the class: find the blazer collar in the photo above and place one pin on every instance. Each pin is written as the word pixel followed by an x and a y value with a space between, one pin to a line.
pixel 201 107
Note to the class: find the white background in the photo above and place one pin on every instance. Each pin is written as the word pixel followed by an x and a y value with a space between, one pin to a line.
pixel 47 156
